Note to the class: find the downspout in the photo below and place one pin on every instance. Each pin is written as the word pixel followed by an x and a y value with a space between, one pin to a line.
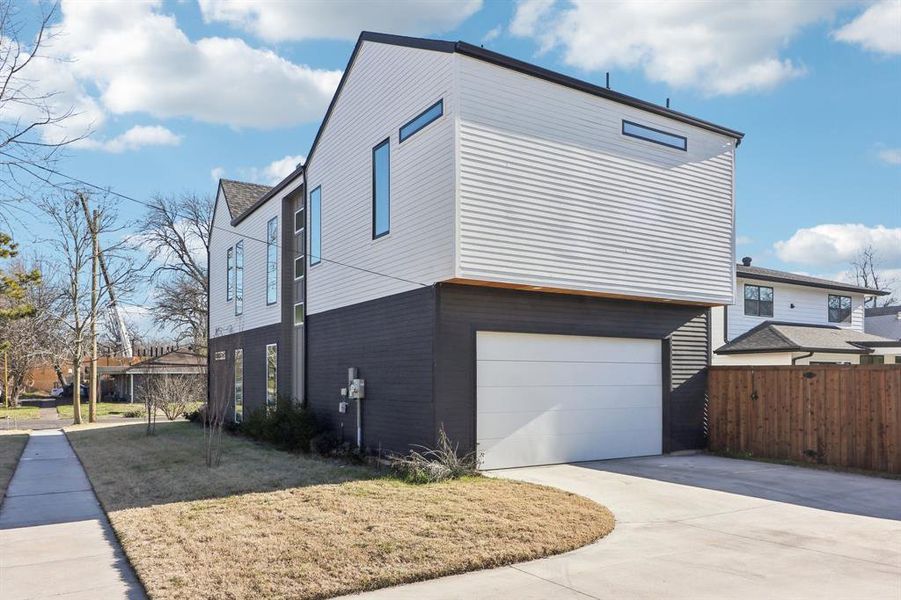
pixel 797 358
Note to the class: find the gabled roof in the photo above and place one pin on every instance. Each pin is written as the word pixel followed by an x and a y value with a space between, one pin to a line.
pixel 176 362
pixel 762 274
pixel 881 311
pixel 241 196
pixel 777 336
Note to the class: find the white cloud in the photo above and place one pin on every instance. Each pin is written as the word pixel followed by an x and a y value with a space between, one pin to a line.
pixel 838 244
pixel 743 240
pixel 716 47
pixel 217 173
pixel 328 19
pixel 877 29
pixel 493 34
pixel 135 138
pixel 274 171
pixel 126 58
pixel 890 156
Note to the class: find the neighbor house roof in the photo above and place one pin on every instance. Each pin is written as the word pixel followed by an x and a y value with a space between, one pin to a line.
pixel 759 273
pixel 881 311
pixel 241 196
pixel 177 362
pixel 776 336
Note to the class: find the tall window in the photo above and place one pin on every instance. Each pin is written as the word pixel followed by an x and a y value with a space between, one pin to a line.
pixel 758 301
pixel 272 261
pixel 298 268
pixel 239 277
pixel 239 385
pixel 315 225
pixel 271 375
pixel 298 314
pixel 229 270
pixel 839 309
pixel 381 190
pixel 298 220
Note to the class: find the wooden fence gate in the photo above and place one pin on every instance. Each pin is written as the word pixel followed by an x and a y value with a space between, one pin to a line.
pixel 842 415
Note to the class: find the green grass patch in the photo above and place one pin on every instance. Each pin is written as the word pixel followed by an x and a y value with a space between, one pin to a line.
pixel 104 409
pixel 20 412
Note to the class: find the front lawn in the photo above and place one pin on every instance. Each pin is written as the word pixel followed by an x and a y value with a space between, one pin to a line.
pixel 270 524
pixel 11 446
pixel 21 412
pixel 104 409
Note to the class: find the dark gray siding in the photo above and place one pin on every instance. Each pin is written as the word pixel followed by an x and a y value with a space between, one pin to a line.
pixel 688 398
pixel 463 310
pixel 390 341
pixel 253 341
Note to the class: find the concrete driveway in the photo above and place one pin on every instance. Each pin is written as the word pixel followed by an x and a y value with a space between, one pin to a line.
pixel 707 527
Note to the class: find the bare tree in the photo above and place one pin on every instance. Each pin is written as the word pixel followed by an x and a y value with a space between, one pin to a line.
pixel 32 117
pixel 173 394
pixel 868 273
pixel 176 231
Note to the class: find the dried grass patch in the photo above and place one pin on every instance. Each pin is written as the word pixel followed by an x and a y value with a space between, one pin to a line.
pixel 11 447
pixel 275 525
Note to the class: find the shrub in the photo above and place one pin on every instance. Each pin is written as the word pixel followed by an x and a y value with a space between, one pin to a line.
pixel 433 465
pixel 133 413
pixel 196 415
pixel 325 443
pixel 287 426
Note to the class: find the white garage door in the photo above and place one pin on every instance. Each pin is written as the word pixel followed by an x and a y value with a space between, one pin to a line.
pixel 545 399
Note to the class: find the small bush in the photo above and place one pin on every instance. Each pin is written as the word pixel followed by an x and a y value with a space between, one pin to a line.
pixel 325 443
pixel 197 415
pixel 433 465
pixel 134 413
pixel 287 426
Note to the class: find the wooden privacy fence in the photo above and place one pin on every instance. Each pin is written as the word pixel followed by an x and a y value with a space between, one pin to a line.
pixel 842 415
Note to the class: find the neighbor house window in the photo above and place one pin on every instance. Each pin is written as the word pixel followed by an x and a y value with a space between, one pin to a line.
pixel 381 190
pixel 298 313
pixel 315 225
pixel 239 385
pixel 272 261
pixel 271 374
pixel 870 359
pixel 229 270
pixel 298 221
pixel 657 136
pixel 298 268
pixel 839 309
pixel 758 301
pixel 239 277
pixel 430 114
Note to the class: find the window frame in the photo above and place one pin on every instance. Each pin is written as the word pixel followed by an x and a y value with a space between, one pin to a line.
pixel 316 226
pixel 758 300
pixel 386 143
pixel 303 222
pixel 229 274
pixel 683 148
pixel 272 257
pixel 303 317
pixel 303 262
pixel 239 278
pixel 239 415
pixel 400 132
pixel 274 396
pixel 829 308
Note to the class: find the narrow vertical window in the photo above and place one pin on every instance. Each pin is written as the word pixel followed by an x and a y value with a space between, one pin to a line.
pixel 229 275
pixel 381 190
pixel 298 314
pixel 298 221
pixel 316 226
pixel 298 268
pixel 272 261
pixel 239 277
pixel 239 385
pixel 271 375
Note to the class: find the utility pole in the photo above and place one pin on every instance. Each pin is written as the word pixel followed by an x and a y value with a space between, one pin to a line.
pixel 5 378
pixel 95 285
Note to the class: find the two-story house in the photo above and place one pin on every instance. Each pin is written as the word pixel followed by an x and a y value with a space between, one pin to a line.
pixel 521 258
pixel 782 318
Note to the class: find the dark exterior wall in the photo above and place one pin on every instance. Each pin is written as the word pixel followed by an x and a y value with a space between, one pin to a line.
pixel 253 341
pixel 463 310
pixel 390 341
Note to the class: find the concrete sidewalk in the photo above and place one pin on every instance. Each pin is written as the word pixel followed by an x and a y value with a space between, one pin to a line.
pixel 55 539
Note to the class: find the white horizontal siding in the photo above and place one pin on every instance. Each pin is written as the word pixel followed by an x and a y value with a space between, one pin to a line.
pixel 223 320
pixel 552 194
pixel 810 307
pixel 386 87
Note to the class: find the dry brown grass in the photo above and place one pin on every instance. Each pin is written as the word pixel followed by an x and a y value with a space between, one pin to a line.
pixel 11 446
pixel 268 524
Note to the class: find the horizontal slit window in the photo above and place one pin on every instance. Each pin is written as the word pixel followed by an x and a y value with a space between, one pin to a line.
pixel 430 114
pixel 657 136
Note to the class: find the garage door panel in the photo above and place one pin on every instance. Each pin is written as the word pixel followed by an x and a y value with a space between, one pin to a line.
pixel 544 399
pixel 535 373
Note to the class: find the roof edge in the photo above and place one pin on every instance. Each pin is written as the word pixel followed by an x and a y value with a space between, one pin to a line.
pixel 826 286
pixel 274 190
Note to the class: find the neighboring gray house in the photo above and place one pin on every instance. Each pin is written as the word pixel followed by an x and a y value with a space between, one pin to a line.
pixel 130 383
pixel 884 321
pixel 521 258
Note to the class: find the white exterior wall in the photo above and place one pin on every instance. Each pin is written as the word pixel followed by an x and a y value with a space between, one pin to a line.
pixel 386 87
pixel 223 320
pixel 811 307
pixel 552 194
pixel 885 325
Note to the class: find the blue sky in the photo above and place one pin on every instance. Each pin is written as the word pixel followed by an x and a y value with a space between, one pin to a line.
pixel 816 87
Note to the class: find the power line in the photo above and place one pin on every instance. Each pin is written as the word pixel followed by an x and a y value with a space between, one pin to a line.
pixel 109 190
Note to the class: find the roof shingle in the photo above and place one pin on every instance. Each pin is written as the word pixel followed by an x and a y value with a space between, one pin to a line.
pixel 240 196
pixel 775 336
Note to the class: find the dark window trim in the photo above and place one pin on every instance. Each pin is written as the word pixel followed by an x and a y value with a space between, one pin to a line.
pixel 653 141
pixel 850 318
pixel 239 290
pixel 315 259
pixel 229 274
pixel 383 143
pixel 275 371
pixel 239 416
pixel 269 245
pixel 400 132
pixel 759 287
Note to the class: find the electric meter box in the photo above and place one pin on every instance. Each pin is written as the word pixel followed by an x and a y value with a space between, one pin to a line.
pixel 357 390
